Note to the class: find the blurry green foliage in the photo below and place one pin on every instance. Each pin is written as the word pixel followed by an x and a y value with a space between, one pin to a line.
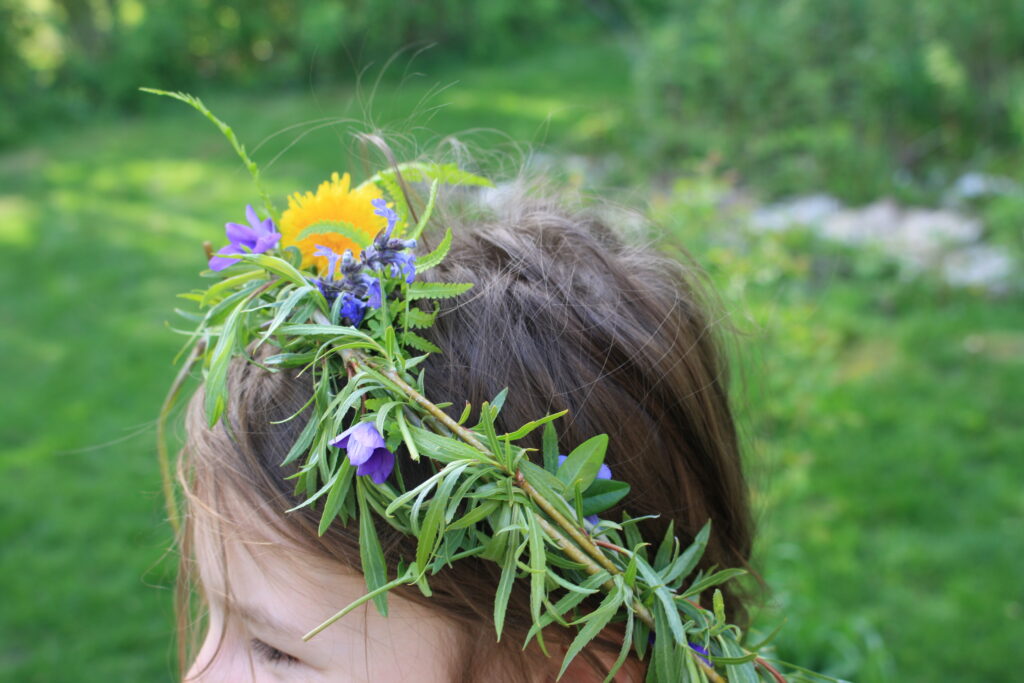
pixel 881 420
pixel 800 92
pixel 61 58
pixel 863 97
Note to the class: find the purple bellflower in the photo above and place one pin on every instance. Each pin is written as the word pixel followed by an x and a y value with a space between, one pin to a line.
pixel 366 450
pixel 255 238
pixel 604 472
pixel 386 251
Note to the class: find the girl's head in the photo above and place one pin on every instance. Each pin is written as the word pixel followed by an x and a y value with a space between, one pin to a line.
pixel 567 316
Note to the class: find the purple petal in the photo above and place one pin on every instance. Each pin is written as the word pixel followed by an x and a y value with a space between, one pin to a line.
pixel 367 433
pixel 386 463
pixel 352 308
pixel 267 226
pixel 379 466
pixel 358 452
pixel 266 242
pixel 240 234
pixel 375 294
pixel 359 441
pixel 252 216
pixel 220 261
pixel 326 252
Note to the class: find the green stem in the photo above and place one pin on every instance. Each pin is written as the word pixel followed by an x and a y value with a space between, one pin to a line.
pixel 225 129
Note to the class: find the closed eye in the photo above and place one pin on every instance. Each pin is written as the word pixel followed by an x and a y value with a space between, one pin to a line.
pixel 270 654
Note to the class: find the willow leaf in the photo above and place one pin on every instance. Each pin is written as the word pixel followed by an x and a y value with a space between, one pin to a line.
pixel 593 625
pixel 371 554
pixel 508 576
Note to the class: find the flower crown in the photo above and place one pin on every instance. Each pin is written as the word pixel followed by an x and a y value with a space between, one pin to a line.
pixel 333 282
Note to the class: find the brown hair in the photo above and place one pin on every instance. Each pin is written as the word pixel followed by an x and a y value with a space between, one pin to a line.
pixel 569 317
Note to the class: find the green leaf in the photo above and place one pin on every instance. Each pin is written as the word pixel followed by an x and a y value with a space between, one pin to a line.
pixel 289 360
pixel 594 623
pixel 602 495
pixel 343 228
pixel 437 290
pixel 277 266
pixel 581 467
pixel 570 600
pixel 410 444
pixel 742 671
pixel 285 309
pixel 715 579
pixel 417 172
pixel 227 285
pixel 667 660
pixel 445 449
pixel 432 259
pixel 666 598
pixel 311 330
pixel 220 360
pixel 548 486
pixel 418 490
pixel 508 576
pixel 684 564
pixel 301 444
pixel 419 343
pixel 499 401
pixel 336 497
pixel 427 212
pixel 549 448
pixel 370 552
pixel 416 318
pixel 627 641
pixel 718 603
pixel 432 528
pixel 668 544
pixel 530 426
pixel 475 515
pixel 538 566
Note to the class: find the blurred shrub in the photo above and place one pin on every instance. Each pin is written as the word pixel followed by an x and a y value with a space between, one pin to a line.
pixel 72 57
pixel 797 91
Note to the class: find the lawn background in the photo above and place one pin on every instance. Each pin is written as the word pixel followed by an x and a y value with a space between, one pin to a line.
pixel 881 414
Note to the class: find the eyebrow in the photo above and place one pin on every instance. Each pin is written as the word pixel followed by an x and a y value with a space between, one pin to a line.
pixel 258 615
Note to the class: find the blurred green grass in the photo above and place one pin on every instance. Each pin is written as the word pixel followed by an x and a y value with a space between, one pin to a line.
pixel 882 416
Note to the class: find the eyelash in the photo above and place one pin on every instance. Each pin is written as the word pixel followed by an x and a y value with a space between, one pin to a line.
pixel 271 654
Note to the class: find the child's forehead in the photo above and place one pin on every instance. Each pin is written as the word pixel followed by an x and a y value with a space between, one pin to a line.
pixel 271 580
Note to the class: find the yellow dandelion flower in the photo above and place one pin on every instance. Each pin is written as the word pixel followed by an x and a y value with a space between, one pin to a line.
pixel 341 218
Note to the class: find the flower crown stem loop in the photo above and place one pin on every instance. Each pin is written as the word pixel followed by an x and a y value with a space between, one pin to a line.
pixel 584 550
